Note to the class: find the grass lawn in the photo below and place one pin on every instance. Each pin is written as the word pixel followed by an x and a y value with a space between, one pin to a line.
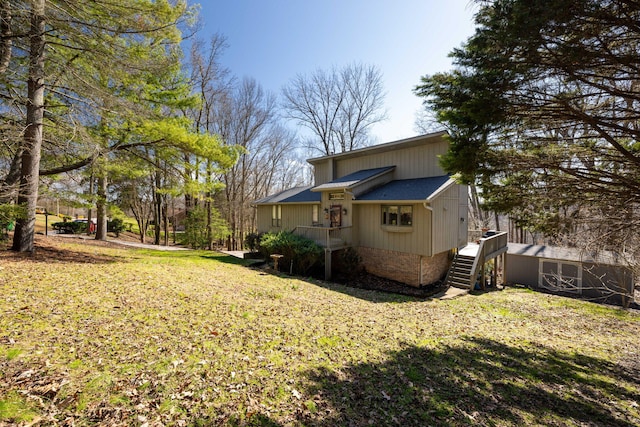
pixel 95 334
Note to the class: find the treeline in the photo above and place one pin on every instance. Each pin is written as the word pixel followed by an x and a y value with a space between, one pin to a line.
pixel 101 106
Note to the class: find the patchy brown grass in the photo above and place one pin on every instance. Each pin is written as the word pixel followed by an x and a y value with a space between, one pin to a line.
pixel 96 334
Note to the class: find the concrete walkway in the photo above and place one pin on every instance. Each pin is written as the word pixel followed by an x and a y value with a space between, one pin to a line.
pixel 148 246
pixel 237 254
pixel 122 242
pixel 451 293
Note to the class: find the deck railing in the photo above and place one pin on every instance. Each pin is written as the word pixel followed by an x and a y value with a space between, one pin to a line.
pixel 489 248
pixel 327 237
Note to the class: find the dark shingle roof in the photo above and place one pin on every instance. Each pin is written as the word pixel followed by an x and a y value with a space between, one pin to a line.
pixel 406 189
pixel 566 254
pixel 291 195
pixel 353 178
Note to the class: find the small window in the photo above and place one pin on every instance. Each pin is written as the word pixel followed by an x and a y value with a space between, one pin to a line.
pixel 397 215
pixel 276 216
pixel 314 214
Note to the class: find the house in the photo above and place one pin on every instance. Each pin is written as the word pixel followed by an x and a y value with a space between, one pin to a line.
pixel 392 202
pixel 570 272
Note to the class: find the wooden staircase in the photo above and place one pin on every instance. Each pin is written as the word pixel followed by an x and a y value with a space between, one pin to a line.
pixel 469 263
pixel 460 272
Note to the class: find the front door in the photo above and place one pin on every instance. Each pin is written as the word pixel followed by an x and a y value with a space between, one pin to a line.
pixel 335 215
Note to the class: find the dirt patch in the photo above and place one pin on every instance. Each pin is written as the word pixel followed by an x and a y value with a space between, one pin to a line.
pixel 375 283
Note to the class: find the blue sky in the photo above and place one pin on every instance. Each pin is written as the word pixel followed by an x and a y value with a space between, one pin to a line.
pixel 274 40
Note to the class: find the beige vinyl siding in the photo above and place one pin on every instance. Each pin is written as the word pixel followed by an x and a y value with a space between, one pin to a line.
pixel 463 213
pixel 446 219
pixel 372 234
pixel 322 172
pixel 264 218
pixel 413 162
pixel 293 215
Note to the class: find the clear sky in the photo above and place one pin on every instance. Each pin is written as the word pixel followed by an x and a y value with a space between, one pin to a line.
pixel 274 40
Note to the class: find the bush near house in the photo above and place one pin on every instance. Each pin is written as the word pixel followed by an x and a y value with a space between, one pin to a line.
pixel 252 241
pixel 299 253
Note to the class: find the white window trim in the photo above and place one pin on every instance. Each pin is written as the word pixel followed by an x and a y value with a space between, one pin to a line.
pixel 390 227
pixel 276 216
pixel 542 283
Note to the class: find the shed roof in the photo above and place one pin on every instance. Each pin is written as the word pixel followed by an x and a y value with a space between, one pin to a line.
pixel 291 195
pixel 418 189
pixel 564 254
pixel 353 179
pixel 381 148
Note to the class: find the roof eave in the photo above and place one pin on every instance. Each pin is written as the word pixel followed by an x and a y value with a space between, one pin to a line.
pixel 440 190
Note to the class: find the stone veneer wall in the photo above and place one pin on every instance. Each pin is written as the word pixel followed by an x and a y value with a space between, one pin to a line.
pixel 403 267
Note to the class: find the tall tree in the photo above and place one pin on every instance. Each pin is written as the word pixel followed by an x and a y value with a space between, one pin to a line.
pixel 338 106
pixel 245 116
pixel 72 41
pixel 32 143
pixel 542 109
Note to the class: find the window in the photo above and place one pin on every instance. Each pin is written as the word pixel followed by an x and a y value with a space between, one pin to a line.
pixel 560 276
pixel 276 216
pixel 314 214
pixel 397 215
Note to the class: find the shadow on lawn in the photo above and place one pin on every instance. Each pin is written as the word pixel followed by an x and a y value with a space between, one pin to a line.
pixel 479 382
pixel 47 251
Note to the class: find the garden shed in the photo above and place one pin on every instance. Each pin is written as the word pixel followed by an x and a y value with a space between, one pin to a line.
pixel 573 272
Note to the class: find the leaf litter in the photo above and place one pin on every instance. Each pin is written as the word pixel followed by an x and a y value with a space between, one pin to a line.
pixel 96 334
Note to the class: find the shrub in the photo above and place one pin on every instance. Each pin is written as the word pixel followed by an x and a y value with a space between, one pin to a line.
pixel 252 241
pixel 73 227
pixel 299 253
pixel 8 216
pixel 348 265
pixel 116 225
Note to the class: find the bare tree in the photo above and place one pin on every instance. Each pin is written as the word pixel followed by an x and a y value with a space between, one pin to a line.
pixel 248 119
pixel 338 106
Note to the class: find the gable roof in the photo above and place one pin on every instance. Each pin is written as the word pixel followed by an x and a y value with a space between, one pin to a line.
pixel 418 189
pixel 291 195
pixel 353 179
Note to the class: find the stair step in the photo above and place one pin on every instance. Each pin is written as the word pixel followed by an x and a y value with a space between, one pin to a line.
pixel 460 272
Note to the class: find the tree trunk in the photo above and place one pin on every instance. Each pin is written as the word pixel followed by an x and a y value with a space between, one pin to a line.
pixel 89 210
pixel 157 204
pixel 30 174
pixel 101 207
pixel 165 220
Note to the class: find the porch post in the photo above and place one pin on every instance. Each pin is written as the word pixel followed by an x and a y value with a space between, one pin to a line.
pixel 327 264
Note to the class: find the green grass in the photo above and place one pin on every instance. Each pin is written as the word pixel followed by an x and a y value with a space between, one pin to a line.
pixel 99 335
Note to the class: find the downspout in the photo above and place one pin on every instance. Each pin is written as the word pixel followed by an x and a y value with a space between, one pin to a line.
pixel 430 209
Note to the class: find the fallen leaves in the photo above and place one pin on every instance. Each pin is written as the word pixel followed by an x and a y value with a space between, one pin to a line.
pixel 194 340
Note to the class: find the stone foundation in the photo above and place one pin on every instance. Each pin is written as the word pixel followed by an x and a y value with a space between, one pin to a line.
pixel 411 269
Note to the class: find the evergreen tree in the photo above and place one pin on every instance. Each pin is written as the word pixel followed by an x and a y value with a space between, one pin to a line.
pixel 542 109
